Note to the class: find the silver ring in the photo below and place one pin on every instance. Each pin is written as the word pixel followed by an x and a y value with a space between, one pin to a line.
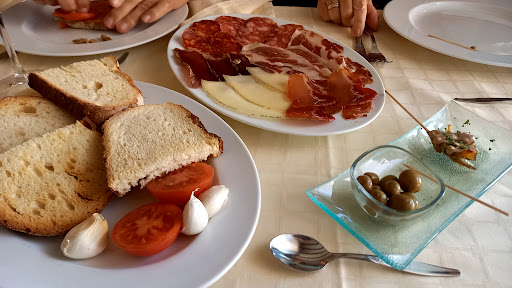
pixel 335 5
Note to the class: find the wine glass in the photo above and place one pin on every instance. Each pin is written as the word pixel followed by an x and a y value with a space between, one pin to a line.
pixel 18 81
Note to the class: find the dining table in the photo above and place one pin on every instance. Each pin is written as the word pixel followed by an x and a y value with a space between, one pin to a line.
pixel 478 242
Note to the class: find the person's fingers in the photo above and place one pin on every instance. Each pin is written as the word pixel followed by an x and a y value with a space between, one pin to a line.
pixel 372 18
pixel 347 12
pixel 322 10
pixel 161 8
pixel 360 7
pixel 51 2
pixel 135 15
pixel 116 3
pixel 116 14
pixel 67 5
pixel 334 12
pixel 82 6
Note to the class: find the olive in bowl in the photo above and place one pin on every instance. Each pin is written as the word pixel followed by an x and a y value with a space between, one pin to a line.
pixel 388 160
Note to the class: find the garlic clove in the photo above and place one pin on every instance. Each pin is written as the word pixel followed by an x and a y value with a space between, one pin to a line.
pixel 86 239
pixel 195 217
pixel 214 199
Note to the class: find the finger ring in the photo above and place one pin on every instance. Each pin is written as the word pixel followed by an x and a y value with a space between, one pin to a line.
pixel 335 5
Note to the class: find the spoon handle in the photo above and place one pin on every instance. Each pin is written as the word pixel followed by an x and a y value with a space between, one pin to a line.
pixel 418 268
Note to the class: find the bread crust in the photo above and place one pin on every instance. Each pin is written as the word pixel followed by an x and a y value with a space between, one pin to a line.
pixel 89 25
pixel 78 107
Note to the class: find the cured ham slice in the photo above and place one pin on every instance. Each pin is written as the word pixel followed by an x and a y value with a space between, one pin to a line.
pixel 317 61
pixel 221 66
pixel 197 66
pixel 356 70
pixel 317 44
pixel 301 91
pixel 356 111
pixel 346 91
pixel 281 36
pixel 240 62
pixel 275 59
pixel 255 29
pixel 230 24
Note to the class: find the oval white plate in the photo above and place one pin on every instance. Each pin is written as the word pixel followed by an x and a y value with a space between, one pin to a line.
pixel 34 30
pixel 286 126
pixel 486 26
pixel 191 261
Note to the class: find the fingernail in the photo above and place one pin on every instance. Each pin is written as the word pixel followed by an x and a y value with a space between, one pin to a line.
pixel 108 22
pixel 122 27
pixel 145 18
pixel 357 32
pixel 115 3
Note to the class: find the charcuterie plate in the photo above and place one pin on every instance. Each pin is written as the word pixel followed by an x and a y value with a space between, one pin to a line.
pixel 285 126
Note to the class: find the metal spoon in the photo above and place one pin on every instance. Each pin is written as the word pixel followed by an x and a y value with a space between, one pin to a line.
pixel 305 254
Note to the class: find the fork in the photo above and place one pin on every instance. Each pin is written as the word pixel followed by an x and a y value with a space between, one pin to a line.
pixel 375 55
pixel 360 47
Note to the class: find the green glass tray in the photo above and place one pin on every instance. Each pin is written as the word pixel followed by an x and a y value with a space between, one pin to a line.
pixel 398 245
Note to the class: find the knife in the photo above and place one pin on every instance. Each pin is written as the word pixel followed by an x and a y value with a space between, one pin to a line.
pixel 420 268
pixel 482 100
pixel 360 47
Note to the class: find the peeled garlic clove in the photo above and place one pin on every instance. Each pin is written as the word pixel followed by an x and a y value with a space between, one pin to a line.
pixel 86 239
pixel 214 199
pixel 195 217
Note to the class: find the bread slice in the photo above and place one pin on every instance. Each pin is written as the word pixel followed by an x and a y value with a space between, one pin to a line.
pixel 148 141
pixel 51 183
pixel 96 89
pixel 26 117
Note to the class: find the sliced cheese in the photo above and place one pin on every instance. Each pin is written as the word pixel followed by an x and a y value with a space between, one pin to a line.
pixel 225 95
pixel 274 80
pixel 258 93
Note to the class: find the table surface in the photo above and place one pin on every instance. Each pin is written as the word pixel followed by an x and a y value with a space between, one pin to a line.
pixel 478 242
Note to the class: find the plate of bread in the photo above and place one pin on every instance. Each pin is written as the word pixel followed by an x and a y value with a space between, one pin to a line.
pixel 90 145
pixel 41 30
pixel 276 75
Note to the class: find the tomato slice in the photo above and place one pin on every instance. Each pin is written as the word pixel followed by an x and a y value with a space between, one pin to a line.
pixel 177 186
pixel 149 229
pixel 59 12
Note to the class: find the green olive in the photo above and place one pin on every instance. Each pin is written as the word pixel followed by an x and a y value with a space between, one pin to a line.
pixel 401 202
pixel 379 196
pixel 391 188
pixel 416 202
pixel 410 181
pixel 366 182
pixel 375 177
pixel 387 178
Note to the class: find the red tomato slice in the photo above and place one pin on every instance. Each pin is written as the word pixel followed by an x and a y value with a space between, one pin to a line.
pixel 177 186
pixel 149 229
pixel 73 15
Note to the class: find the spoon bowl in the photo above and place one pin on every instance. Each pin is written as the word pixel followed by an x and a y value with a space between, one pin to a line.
pixel 305 254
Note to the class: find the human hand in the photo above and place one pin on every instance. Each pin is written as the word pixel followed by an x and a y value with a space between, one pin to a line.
pixel 355 13
pixel 127 13
pixel 80 6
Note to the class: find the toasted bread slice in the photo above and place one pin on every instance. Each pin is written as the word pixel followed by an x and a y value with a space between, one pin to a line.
pixel 96 89
pixel 148 141
pixel 26 117
pixel 51 183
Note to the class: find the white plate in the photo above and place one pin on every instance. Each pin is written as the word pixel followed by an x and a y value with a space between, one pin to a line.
pixel 286 126
pixel 34 30
pixel 487 26
pixel 191 261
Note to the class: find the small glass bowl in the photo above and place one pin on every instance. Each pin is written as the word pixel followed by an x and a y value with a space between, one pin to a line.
pixel 388 160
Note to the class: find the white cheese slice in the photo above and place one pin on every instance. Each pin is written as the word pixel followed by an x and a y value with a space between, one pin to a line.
pixel 259 94
pixel 274 80
pixel 225 95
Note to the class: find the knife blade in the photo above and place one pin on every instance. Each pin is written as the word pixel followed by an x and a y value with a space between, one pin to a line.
pixel 482 100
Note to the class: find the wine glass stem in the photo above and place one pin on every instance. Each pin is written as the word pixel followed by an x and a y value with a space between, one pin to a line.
pixel 20 76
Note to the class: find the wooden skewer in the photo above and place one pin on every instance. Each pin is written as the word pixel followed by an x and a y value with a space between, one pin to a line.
pixel 473 48
pixel 458 191
pixel 415 119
